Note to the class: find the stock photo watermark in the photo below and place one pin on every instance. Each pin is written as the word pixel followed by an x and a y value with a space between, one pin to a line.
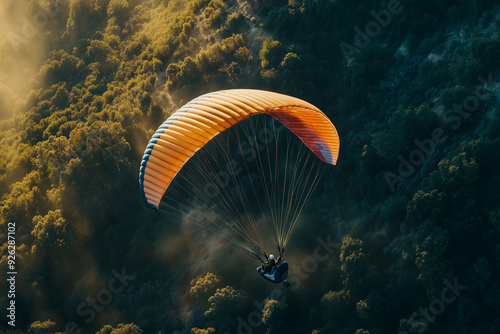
pixel 94 305
pixel 436 307
pixel 11 273
pixel 372 28
pixel 424 148
pixel 32 26
pixel 298 274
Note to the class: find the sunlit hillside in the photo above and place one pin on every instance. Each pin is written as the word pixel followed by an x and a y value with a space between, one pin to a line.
pixel 401 236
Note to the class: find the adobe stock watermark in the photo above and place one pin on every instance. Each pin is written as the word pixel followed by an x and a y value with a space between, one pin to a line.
pixel 31 27
pixel 372 29
pixel 436 307
pixel 297 275
pixel 424 148
pixel 104 297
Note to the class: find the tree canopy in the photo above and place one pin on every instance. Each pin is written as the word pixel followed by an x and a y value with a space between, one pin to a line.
pixel 413 201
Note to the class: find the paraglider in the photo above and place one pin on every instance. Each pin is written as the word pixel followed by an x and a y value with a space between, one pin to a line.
pixel 271 262
pixel 275 270
pixel 242 200
pixel 277 274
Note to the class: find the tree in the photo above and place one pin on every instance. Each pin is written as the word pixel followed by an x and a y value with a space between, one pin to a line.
pixel 197 330
pixel 98 163
pixel 456 175
pixel 355 83
pixel 272 53
pixel 119 9
pixel 454 96
pixel 273 315
pixel 121 329
pixel 215 59
pixel 337 306
pixel 356 277
pixel 50 233
pixel 224 306
pixel 42 327
pixel 204 286
pixel 182 74
pixel 486 51
pixel 84 17
pixel 405 126
pixel 24 200
pixel 61 67
pixel 433 205
pixel 362 331
pixel 235 23
pixel 465 71
pixel 214 13
pixel 362 308
pixel 431 243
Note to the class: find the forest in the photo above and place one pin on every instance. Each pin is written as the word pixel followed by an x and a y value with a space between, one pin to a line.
pixel 401 236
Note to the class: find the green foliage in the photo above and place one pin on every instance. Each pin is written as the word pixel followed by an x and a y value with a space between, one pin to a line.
pixel 225 304
pixel 456 175
pixel 465 70
pixel 105 330
pixel 197 5
pixel 235 23
pixel 118 9
pixel 355 82
pixel 214 13
pixel 216 59
pixel 354 267
pixel 61 67
pixel 454 96
pixel 50 233
pixel 431 205
pixel 362 309
pixel 273 315
pixel 224 301
pixel 204 286
pixel 80 98
pixel 405 126
pixel 479 6
pixel 182 74
pixel 197 330
pixel 493 130
pixel 121 329
pixel 486 51
pixel 432 74
pixel 361 331
pixel 422 28
pixel 412 327
pixel 272 53
pixel 24 199
pixel 431 243
pixel 336 306
pixel 98 51
pixel 39 327
pixel 84 16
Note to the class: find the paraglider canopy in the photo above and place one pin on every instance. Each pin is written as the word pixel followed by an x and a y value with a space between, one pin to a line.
pixel 231 171
pixel 192 126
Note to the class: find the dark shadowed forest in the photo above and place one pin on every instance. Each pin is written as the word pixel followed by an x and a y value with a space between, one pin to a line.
pixel 401 236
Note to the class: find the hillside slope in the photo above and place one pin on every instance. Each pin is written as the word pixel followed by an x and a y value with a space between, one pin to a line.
pixel 408 221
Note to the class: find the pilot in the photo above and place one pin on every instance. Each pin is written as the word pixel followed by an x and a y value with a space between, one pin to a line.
pixel 271 262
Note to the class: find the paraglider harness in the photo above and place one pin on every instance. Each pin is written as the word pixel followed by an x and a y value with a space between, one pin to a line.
pixel 275 273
